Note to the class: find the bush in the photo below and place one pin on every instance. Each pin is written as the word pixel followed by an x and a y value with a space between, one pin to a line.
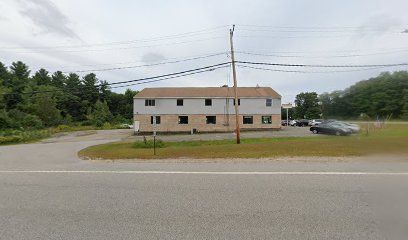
pixel 17 136
pixel 148 144
pixel 15 119
pixel 107 126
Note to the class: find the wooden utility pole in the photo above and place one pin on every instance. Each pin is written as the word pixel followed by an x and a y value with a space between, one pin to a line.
pixel 234 75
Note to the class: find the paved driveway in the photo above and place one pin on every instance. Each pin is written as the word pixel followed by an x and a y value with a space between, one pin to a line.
pixel 46 192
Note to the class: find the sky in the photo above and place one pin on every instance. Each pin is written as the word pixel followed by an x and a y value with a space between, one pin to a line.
pixel 178 35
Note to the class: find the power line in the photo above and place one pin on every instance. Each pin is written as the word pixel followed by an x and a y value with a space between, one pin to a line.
pixel 173 75
pixel 299 71
pixel 323 66
pixel 307 36
pixel 322 56
pixel 346 28
pixel 152 39
pixel 182 75
pixel 122 48
pixel 149 65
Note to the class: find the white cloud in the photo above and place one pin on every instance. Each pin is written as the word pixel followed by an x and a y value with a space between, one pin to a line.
pixel 44 23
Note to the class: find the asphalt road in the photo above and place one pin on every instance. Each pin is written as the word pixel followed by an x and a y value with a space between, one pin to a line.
pixel 46 192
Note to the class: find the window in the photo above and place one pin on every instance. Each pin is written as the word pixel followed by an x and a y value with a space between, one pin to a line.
pixel 239 102
pixel 183 120
pixel 248 120
pixel 266 119
pixel 211 119
pixel 157 119
pixel 208 102
pixel 150 102
pixel 269 102
pixel 180 102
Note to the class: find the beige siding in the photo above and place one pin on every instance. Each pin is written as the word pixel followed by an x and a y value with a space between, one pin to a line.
pixel 169 123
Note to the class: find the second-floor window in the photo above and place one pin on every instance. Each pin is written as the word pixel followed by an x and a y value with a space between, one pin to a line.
pixel 208 102
pixel 239 102
pixel 150 102
pixel 180 102
pixel 269 102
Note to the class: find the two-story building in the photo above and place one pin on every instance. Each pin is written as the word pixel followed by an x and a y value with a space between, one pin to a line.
pixel 206 109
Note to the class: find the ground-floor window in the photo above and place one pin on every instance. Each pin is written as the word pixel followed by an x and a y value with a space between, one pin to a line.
pixel 157 119
pixel 211 119
pixel 248 119
pixel 266 119
pixel 183 119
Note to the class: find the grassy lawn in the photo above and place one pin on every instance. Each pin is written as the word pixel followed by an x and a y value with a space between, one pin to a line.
pixel 392 139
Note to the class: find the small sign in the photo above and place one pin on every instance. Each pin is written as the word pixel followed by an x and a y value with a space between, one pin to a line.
pixel 287 105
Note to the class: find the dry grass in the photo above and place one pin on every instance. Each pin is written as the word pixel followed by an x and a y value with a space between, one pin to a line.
pixel 393 140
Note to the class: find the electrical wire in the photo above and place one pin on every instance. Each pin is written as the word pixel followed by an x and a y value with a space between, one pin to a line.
pixel 121 48
pixel 323 66
pixel 173 75
pixel 152 39
pixel 322 56
pixel 299 71
pixel 182 75
pixel 148 65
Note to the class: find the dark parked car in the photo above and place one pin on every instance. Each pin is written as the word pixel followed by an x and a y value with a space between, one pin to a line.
pixel 334 128
pixel 302 123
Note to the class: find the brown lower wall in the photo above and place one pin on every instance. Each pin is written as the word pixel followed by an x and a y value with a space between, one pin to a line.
pixel 169 123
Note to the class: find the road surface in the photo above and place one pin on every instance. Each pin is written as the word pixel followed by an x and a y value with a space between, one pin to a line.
pixel 46 192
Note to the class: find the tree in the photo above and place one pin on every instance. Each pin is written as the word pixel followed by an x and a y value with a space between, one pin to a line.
pixel 307 105
pixel 381 96
pixel 100 114
pixel 58 79
pixel 42 77
pixel 405 106
pixel 46 110
pixel 18 81
pixel 90 91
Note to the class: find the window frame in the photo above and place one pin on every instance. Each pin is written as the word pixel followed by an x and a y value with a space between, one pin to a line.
pixel 179 119
pixel 150 102
pixel 269 102
pixel 178 101
pixel 208 100
pixel 239 101
pixel 158 120
pixel 269 122
pixel 247 117
pixel 212 122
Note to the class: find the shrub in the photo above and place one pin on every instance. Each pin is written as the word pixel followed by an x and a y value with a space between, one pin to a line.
pixel 17 136
pixel 107 125
pixel 149 144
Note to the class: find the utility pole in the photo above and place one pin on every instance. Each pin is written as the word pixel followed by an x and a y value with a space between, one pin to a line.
pixel 234 75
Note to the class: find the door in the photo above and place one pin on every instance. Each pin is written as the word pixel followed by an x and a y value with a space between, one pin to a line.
pixel 136 126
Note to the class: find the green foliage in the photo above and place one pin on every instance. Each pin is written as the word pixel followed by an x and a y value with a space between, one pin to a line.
pixel 18 136
pixel 307 105
pixel 382 96
pixel 148 144
pixel 46 110
pixel 15 119
pixel 100 114
pixel 60 99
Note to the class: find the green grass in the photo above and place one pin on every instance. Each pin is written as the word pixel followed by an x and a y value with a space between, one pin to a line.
pixel 392 139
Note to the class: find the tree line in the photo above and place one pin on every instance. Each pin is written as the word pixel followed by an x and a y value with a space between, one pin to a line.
pixel 381 97
pixel 43 99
